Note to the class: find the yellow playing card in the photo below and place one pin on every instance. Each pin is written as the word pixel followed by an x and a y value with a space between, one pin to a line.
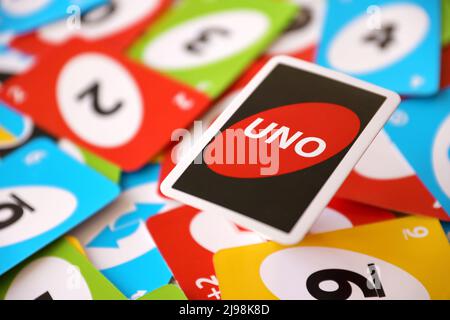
pixel 407 258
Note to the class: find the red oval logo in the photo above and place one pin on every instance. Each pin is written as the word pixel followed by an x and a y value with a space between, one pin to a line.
pixel 282 140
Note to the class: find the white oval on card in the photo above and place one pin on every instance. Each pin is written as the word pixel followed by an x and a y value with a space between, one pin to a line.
pixel 99 100
pixel 207 39
pixel 49 278
pixel 103 21
pixel 213 232
pixel 29 211
pixel 291 274
pixel 362 47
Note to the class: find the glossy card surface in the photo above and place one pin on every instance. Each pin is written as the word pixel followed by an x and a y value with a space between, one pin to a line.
pixel 429 154
pixel 118 242
pixel 207 44
pixel 115 108
pixel 59 272
pixel 46 193
pixel 406 258
pixel 385 42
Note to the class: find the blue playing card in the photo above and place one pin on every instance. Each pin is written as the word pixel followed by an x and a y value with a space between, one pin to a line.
pixel 446 227
pixel 421 129
pixel 43 194
pixel 117 240
pixel 19 16
pixel 392 43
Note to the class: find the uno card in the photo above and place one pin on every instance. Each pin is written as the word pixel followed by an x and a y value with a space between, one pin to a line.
pixel 59 272
pixel 445 22
pixel 118 242
pixel 115 23
pixel 276 142
pixel 168 292
pixel 111 106
pixel 384 178
pixel 208 43
pixel 405 259
pixel 20 16
pixel 44 193
pixel 16 130
pixel 427 152
pixel 188 239
pixel 385 42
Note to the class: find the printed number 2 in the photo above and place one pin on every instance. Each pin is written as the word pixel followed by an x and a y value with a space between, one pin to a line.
pixel 212 281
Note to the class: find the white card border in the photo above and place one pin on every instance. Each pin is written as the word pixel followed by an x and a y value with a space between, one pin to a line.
pixel 329 188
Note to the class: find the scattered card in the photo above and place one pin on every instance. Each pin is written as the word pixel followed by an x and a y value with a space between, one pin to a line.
pixel 407 258
pixel 59 272
pixel 104 102
pixel 208 43
pixel 384 178
pixel 188 239
pixel 38 181
pixel 118 242
pixel 446 22
pixel 427 152
pixel 13 62
pixel 385 42
pixel 116 23
pixel 259 173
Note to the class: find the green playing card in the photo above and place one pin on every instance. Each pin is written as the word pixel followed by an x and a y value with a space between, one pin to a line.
pixel 209 43
pixel 446 22
pixel 102 166
pixel 168 292
pixel 59 272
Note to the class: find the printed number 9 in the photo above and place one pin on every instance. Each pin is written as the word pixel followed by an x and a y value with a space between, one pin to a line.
pixel 417 232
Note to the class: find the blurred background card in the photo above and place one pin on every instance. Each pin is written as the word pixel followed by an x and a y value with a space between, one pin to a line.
pixel 385 42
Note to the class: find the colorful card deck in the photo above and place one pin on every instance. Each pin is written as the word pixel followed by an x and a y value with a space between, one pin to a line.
pixel 168 292
pixel 59 272
pixel 46 194
pixel 384 178
pixel 275 142
pixel 116 23
pixel 208 43
pixel 16 130
pixel 385 42
pixel 22 16
pixel 427 152
pixel 113 107
pixel 405 258
pixel 188 239
pixel 118 242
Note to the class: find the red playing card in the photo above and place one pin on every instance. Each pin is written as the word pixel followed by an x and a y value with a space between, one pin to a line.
pixel 383 178
pixel 116 24
pixel 188 239
pixel 100 100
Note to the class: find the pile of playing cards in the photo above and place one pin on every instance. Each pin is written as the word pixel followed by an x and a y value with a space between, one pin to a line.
pixel 224 149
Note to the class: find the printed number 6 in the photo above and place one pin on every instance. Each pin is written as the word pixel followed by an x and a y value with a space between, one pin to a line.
pixel 417 232
pixel 343 278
